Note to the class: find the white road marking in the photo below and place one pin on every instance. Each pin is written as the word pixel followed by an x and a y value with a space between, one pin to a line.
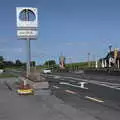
pixel 94 99
pixel 105 84
pixel 57 77
pixel 110 85
pixel 65 83
pixel 69 91
pixel 56 87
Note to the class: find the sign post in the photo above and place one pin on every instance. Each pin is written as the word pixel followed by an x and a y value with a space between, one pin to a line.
pixel 27 25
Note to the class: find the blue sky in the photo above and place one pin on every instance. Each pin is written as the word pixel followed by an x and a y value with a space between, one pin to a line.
pixel 70 27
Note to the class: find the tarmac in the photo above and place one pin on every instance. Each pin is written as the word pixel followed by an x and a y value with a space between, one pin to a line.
pixel 41 106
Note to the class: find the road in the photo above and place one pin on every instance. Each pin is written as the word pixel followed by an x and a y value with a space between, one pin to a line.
pixel 99 97
pixel 38 107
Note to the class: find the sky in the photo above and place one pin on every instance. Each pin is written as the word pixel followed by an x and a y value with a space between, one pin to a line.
pixel 67 27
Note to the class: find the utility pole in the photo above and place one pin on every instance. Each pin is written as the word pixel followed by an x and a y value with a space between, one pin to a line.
pixel 96 63
pixel 48 63
pixel 88 60
pixel 110 49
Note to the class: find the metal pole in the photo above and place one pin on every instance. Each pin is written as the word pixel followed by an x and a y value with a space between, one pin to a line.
pixel 48 64
pixel 28 57
pixel 118 63
pixel 28 51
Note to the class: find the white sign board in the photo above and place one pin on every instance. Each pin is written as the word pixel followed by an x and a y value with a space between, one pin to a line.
pixel 27 17
pixel 31 34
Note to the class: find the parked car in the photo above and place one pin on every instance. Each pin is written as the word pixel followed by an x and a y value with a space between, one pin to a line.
pixel 46 71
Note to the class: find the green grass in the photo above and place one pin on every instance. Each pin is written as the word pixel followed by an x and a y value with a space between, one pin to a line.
pixel 6 75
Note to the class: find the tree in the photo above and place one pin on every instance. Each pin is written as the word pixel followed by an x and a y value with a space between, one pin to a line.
pixel 32 63
pixel 18 63
pixel 8 63
pixel 50 63
pixel 1 59
pixel 1 62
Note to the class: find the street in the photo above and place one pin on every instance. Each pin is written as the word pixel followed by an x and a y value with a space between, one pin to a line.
pixel 60 60
pixel 99 97
pixel 67 99
pixel 38 107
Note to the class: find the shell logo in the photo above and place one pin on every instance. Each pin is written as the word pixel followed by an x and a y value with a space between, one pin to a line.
pixel 27 17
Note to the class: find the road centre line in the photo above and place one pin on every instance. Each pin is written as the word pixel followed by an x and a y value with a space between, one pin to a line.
pixel 65 83
pixel 105 84
pixel 95 82
pixel 94 99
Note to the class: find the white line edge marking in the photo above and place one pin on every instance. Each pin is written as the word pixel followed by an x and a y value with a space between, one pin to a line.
pixel 56 87
pixel 94 99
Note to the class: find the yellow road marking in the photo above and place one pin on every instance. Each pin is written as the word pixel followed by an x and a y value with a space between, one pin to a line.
pixel 69 91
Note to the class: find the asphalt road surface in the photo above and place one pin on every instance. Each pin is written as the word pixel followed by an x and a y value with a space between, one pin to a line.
pixel 72 97
pixel 38 107
pixel 99 95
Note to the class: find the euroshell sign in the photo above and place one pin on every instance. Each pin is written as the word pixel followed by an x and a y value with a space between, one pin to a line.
pixel 23 34
pixel 27 17
pixel 27 22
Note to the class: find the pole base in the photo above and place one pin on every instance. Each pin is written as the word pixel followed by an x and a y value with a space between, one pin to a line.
pixel 25 89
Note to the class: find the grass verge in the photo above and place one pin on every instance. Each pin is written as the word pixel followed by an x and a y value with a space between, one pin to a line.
pixel 6 75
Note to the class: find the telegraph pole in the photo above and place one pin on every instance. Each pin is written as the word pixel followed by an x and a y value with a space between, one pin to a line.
pixel 88 60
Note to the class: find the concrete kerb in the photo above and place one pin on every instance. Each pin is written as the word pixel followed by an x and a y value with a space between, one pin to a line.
pixel 36 85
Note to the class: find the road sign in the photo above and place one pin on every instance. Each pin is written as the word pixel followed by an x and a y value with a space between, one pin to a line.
pixel 29 20
pixel 23 34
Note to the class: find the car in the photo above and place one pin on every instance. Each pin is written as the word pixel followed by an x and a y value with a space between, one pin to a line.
pixel 1 71
pixel 46 71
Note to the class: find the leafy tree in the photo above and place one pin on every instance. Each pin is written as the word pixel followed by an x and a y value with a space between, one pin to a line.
pixel 18 63
pixel 1 59
pixel 50 63
pixel 32 63
pixel 1 62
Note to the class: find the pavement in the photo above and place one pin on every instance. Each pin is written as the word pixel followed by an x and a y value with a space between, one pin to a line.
pixel 37 107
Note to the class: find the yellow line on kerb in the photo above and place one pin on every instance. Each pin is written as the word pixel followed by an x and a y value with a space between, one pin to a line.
pixel 94 99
